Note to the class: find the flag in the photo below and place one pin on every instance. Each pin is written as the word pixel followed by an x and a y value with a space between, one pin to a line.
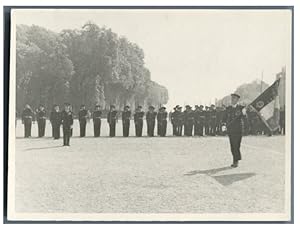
pixel 266 105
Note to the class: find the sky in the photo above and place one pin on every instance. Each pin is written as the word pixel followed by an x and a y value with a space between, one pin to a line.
pixel 199 55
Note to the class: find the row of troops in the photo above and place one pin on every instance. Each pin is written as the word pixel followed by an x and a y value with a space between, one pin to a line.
pixel 232 122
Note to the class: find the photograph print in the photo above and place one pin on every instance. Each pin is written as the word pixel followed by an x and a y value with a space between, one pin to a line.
pixel 150 114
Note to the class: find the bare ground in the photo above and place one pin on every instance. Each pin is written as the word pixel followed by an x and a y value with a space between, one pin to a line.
pixel 147 175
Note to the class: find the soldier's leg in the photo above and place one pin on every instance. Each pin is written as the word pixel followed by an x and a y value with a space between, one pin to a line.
pixel 80 129
pixel 84 128
pixel 25 129
pixel 64 137
pixel 68 136
pixel 43 128
pixel 141 130
pixel 95 129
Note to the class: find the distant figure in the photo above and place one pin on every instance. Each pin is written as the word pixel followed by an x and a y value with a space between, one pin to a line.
pixel 55 119
pixel 126 116
pixel 138 121
pixel 234 119
pixel 67 123
pixel 213 121
pixel 188 121
pixel 27 119
pixel 207 120
pixel 174 120
pixel 82 118
pixel 162 117
pixel 111 120
pixel 150 118
pixel 179 121
pixel 41 120
pixel 199 117
pixel 97 120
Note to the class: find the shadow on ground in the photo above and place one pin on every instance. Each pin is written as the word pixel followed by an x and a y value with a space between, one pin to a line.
pixel 208 171
pixel 232 178
pixel 46 147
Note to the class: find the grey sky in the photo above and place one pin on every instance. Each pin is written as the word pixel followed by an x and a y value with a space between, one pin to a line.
pixel 199 55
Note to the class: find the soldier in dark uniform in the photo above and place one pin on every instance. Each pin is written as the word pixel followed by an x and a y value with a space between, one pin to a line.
pixel 234 119
pixel 55 119
pixel 196 121
pixel 71 132
pixel 188 121
pixel 82 118
pixel 213 120
pixel 111 120
pixel 138 121
pixel 179 120
pixel 199 121
pixel 67 123
pixel 27 119
pixel 41 120
pixel 97 120
pixel 207 120
pixel 162 122
pixel 150 118
pixel 174 122
pixel 126 116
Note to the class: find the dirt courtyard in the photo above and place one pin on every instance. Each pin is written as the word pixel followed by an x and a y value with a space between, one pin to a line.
pixel 148 175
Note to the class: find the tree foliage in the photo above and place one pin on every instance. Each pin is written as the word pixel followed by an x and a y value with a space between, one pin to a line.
pixel 88 66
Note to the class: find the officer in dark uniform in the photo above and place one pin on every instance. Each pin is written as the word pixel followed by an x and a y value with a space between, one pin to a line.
pixel 199 121
pixel 55 119
pixel 111 120
pixel 67 123
pixel 97 120
pixel 126 116
pixel 150 119
pixel 179 120
pixel 41 120
pixel 188 121
pixel 162 122
pixel 82 118
pixel 234 119
pixel 27 119
pixel 207 120
pixel 174 122
pixel 196 121
pixel 138 121
pixel 213 120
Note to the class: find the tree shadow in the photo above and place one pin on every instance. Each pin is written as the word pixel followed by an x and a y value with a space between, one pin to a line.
pixel 208 171
pixel 47 147
pixel 226 180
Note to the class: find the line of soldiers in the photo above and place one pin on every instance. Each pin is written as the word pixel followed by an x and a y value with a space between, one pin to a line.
pixel 197 122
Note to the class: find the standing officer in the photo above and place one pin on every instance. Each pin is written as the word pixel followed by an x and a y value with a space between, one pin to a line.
pixel 67 123
pixel 162 122
pixel 188 121
pixel 82 117
pixel 97 120
pixel 27 118
pixel 111 120
pixel 199 121
pixel 234 119
pixel 126 115
pixel 150 118
pixel 41 120
pixel 179 120
pixel 138 121
pixel 174 120
pixel 213 120
pixel 55 119
pixel 207 120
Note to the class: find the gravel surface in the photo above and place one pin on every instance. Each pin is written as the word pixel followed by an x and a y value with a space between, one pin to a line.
pixel 147 175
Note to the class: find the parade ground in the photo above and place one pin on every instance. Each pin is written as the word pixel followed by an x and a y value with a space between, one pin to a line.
pixel 147 175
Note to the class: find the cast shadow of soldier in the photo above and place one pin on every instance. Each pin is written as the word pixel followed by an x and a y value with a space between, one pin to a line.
pixel 224 180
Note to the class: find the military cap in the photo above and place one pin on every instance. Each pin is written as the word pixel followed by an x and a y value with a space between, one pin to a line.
pixel 235 95
pixel 67 104
pixel 127 107
pixel 139 107
pixel 112 106
pixel 187 106
pixel 97 106
pixel 201 106
pixel 161 108
pixel 151 107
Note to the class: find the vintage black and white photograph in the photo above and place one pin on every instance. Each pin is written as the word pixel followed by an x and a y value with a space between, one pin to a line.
pixel 150 114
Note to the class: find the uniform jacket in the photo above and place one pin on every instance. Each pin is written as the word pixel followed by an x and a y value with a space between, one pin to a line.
pixel 41 114
pixel 82 115
pixel 138 116
pixel 55 117
pixel 27 114
pixel 161 116
pixel 234 119
pixel 112 116
pixel 126 115
pixel 150 116
pixel 97 115
pixel 67 119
